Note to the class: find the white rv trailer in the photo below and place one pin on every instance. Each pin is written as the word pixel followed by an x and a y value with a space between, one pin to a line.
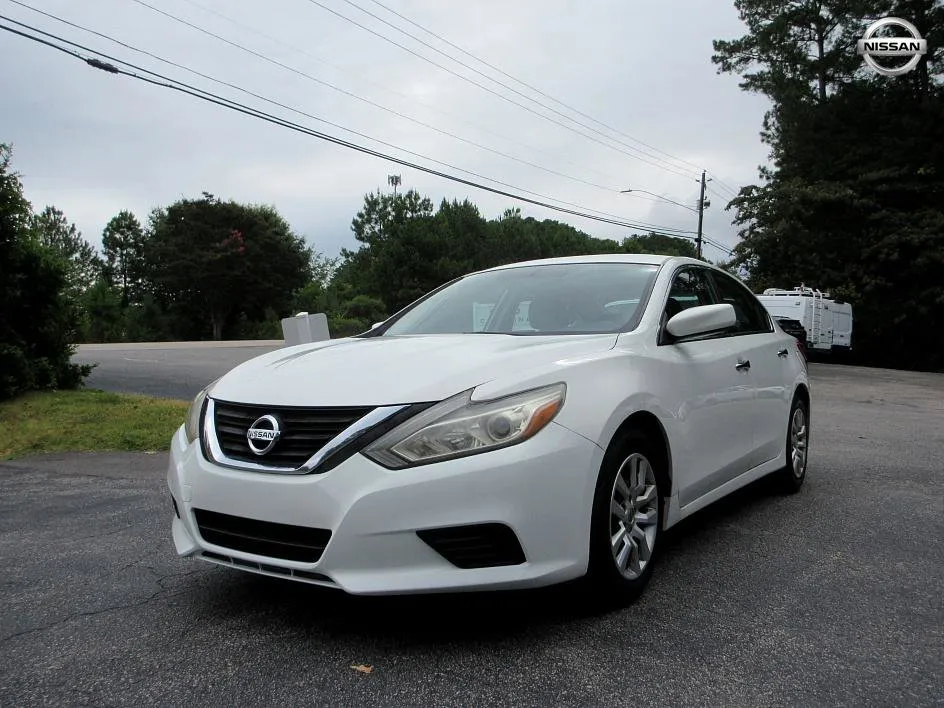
pixel 828 322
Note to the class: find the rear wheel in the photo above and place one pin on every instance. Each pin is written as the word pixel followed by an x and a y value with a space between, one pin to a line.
pixel 626 522
pixel 793 474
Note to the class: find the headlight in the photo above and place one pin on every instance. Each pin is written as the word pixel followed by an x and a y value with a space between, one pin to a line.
pixel 194 415
pixel 458 427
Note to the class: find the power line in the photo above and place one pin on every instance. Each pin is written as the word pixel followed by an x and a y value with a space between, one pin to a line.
pixel 721 184
pixel 720 195
pixel 230 85
pixel 342 91
pixel 724 249
pixel 492 91
pixel 655 200
pixel 656 197
pixel 300 112
pixel 496 81
pixel 727 187
pixel 204 95
pixel 282 105
pixel 477 126
pixel 387 89
pixel 65 50
pixel 515 79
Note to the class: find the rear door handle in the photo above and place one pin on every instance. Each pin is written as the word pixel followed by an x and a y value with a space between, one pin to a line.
pixel 782 353
pixel 743 365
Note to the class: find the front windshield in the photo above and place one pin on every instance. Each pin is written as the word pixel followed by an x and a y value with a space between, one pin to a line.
pixel 572 298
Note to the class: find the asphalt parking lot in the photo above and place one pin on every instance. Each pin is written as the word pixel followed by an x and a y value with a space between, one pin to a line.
pixel 834 596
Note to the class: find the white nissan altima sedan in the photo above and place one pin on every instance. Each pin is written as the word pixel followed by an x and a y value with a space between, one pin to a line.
pixel 519 426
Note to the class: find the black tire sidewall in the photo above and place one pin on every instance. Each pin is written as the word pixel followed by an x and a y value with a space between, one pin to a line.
pixel 789 481
pixel 604 577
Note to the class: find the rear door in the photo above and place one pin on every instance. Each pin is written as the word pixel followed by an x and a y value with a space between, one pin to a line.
pixel 842 325
pixel 768 354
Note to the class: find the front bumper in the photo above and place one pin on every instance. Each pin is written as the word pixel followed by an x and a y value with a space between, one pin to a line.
pixel 542 490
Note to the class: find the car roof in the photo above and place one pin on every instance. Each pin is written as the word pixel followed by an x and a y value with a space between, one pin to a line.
pixel 639 258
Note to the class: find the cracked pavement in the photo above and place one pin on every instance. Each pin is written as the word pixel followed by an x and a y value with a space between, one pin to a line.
pixel 834 596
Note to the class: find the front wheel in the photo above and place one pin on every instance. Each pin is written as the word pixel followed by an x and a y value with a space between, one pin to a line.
pixel 626 522
pixel 793 474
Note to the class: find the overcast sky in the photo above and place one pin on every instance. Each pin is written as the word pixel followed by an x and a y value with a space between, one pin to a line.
pixel 93 143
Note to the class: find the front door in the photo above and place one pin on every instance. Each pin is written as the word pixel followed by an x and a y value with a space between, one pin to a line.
pixel 768 353
pixel 714 404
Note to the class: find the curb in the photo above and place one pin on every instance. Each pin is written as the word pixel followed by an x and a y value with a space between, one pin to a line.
pixel 139 346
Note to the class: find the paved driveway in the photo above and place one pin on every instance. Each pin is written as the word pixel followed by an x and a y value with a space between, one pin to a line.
pixel 832 596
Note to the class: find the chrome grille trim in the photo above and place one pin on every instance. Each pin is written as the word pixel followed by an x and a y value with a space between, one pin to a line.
pixel 216 454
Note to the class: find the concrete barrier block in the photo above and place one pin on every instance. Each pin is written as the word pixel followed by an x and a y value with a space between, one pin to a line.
pixel 304 328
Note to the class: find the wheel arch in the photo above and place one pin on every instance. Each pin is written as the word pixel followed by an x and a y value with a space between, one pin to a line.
pixel 802 391
pixel 649 425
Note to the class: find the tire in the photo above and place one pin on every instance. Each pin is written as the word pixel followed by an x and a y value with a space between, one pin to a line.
pixel 618 577
pixel 791 476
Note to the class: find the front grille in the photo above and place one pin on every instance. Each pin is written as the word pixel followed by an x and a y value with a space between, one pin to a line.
pixel 304 431
pixel 262 538
pixel 475 546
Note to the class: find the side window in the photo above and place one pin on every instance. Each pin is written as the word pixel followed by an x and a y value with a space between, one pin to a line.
pixel 751 315
pixel 690 288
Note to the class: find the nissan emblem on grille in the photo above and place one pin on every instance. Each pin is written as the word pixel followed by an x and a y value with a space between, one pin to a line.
pixel 263 434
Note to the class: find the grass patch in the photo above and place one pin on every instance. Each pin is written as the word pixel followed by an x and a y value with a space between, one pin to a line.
pixel 87 421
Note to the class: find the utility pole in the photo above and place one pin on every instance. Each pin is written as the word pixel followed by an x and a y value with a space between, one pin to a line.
pixel 702 205
pixel 701 212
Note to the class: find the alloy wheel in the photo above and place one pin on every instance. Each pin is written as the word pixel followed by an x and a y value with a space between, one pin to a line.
pixel 798 442
pixel 634 516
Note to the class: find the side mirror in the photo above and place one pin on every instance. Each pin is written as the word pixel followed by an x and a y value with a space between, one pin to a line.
pixel 701 320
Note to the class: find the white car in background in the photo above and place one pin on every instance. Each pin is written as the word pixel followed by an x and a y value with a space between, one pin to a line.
pixel 520 426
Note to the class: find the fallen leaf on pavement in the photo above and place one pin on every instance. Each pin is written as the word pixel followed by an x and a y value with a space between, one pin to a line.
pixel 363 668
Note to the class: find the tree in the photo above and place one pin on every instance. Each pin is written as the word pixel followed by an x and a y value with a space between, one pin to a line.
pixel 214 259
pixel 383 214
pixel 123 248
pixel 105 313
pixel 660 244
pixel 794 50
pixel 379 227
pixel 54 231
pixel 408 249
pixel 37 326
pixel 854 200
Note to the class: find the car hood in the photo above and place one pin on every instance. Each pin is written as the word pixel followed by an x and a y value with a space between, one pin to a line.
pixel 376 371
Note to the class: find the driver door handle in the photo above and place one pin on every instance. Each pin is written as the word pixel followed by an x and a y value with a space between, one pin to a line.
pixel 783 352
pixel 743 365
